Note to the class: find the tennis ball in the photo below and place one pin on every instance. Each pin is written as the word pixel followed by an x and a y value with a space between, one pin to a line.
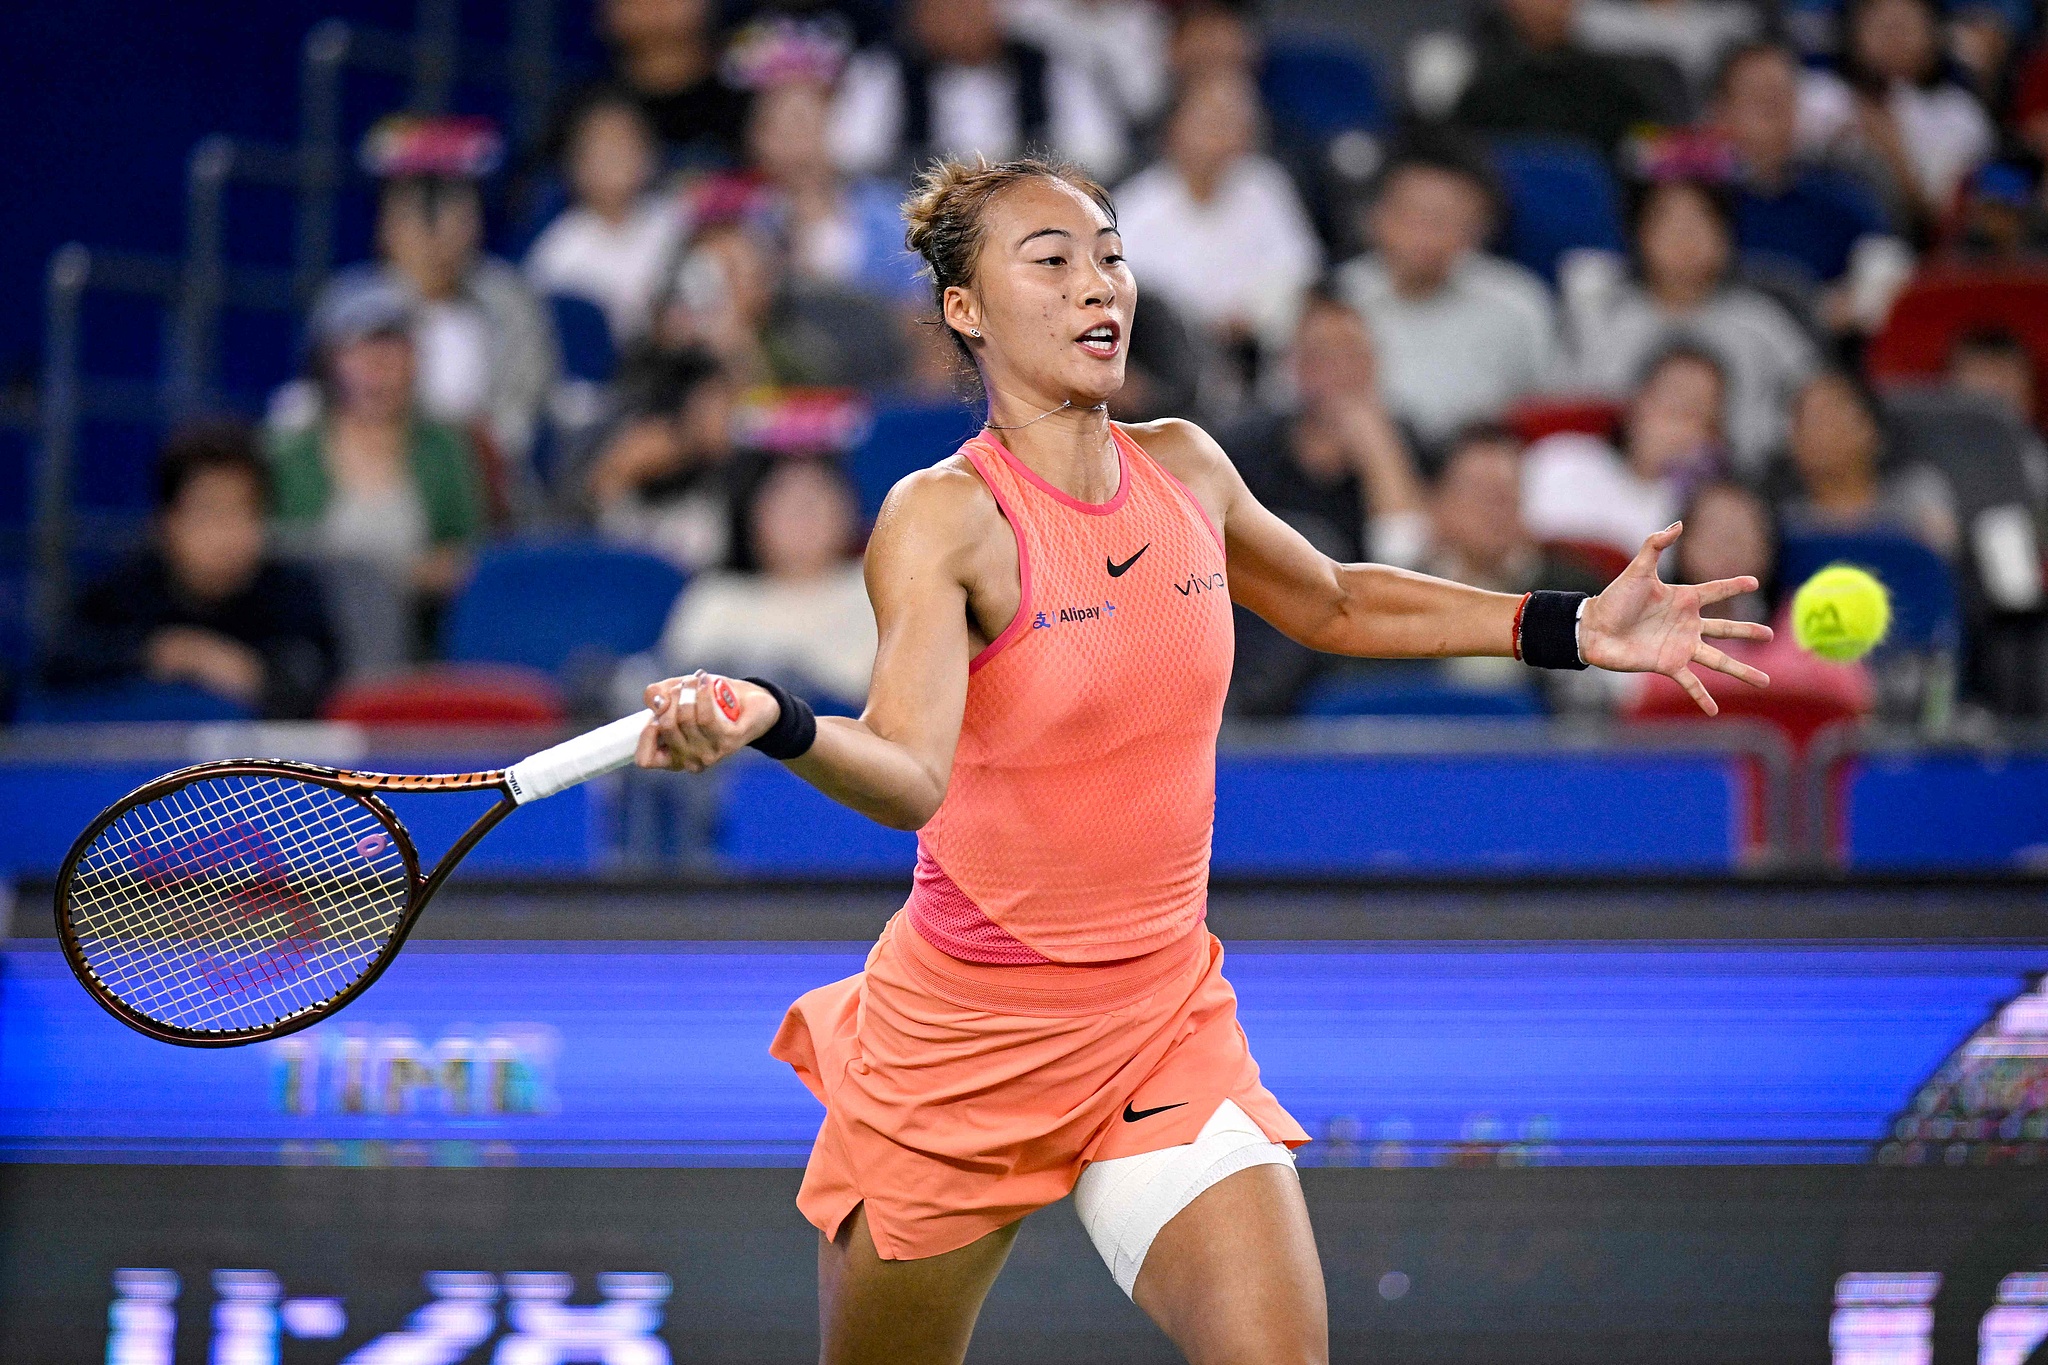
pixel 1841 613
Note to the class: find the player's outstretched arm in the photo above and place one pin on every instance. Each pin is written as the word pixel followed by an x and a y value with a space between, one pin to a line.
pixel 1638 625
pixel 893 763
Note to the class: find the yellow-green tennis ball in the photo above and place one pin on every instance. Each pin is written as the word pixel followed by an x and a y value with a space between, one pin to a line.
pixel 1841 613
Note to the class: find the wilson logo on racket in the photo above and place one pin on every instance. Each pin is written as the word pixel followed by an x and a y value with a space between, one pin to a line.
pixel 248 899
pixel 220 917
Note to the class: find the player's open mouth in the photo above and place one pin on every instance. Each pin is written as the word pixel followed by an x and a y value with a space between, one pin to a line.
pixel 1099 341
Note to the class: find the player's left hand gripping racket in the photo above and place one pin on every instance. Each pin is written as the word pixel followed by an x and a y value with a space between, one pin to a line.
pixel 235 901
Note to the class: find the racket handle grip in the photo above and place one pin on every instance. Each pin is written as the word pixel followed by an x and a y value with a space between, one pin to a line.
pixel 605 749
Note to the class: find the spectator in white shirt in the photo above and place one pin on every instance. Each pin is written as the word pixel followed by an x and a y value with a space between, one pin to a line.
pixel 1216 227
pixel 1578 487
pixel 1120 44
pixel 1691 34
pixel 954 84
pixel 1684 250
pixel 803 616
pixel 613 243
pixel 1895 105
pixel 1460 334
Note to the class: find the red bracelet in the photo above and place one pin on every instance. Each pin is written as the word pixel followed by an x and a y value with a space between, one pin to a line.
pixel 1520 607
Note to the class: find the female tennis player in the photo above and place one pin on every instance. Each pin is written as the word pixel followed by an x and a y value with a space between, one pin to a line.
pixel 1047 1013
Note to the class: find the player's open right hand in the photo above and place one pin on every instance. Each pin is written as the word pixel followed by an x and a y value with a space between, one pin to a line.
pixel 725 716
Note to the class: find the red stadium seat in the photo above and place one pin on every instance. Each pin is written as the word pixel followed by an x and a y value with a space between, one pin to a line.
pixel 1594 556
pixel 452 695
pixel 1805 695
pixel 1535 419
pixel 1945 303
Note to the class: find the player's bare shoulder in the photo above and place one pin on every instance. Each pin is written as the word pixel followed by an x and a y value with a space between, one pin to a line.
pixel 941 516
pixel 1193 456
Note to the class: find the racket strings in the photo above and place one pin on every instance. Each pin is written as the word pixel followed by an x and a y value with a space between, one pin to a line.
pixel 236 901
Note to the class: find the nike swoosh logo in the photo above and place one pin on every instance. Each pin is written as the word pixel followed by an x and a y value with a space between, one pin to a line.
pixel 1117 570
pixel 1133 1115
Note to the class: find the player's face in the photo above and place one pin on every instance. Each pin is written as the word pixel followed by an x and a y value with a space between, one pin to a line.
pixel 1052 297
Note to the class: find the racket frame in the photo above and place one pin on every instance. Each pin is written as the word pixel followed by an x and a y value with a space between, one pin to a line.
pixel 363 786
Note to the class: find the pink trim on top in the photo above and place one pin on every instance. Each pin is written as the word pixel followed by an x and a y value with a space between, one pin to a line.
pixel 1174 479
pixel 1015 629
pixel 1093 509
pixel 946 918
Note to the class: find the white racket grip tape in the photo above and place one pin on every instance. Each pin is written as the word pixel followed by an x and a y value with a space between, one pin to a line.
pixel 605 749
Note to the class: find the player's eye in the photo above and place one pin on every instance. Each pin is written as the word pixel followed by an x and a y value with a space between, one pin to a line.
pixel 1053 260
pixel 1114 258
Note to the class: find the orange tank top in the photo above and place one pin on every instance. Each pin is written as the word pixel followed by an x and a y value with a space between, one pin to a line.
pixel 1076 825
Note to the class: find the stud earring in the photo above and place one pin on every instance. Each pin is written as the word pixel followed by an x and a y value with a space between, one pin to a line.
pixel 974 332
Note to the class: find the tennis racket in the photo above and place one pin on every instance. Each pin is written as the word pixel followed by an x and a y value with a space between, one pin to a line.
pixel 235 901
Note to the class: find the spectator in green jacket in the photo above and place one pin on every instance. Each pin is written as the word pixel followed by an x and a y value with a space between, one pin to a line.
pixel 375 484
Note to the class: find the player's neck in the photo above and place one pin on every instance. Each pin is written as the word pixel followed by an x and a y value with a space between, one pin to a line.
pixel 1069 447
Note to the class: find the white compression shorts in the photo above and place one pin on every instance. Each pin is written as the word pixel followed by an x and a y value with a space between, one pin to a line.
pixel 1124 1202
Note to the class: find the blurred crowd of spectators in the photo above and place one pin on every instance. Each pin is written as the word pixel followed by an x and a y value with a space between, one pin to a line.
pixel 714 251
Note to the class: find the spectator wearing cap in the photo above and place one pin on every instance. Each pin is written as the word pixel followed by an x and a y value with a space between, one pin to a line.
pixel 1837 456
pixel 665 58
pixel 1895 104
pixel 663 476
pixel 1534 76
pixel 953 83
pixel 486 353
pixel 1788 208
pixel 1460 334
pixel 1215 226
pixel 376 482
pixel 1684 289
pixel 613 242
pixel 205 604
pixel 2001 222
pixel 1580 487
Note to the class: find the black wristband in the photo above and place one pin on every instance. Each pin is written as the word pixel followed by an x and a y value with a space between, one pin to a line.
pixel 1550 630
pixel 794 731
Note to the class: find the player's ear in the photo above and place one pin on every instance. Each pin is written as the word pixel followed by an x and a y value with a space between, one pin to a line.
pixel 962 312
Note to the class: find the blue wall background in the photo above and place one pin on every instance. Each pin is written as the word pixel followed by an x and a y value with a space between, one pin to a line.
pixel 103 100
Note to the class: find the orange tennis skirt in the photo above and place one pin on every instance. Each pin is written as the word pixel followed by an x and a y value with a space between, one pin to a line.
pixel 960 1096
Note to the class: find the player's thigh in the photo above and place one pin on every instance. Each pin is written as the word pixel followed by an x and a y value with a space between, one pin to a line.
pixel 1234 1279
pixel 877 1312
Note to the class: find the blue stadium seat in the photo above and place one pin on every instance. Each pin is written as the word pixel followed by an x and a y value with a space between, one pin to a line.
pixel 1410 696
pixel 1926 608
pixel 587 349
pixel 1560 195
pixel 545 605
pixel 130 702
pixel 905 438
pixel 1322 88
